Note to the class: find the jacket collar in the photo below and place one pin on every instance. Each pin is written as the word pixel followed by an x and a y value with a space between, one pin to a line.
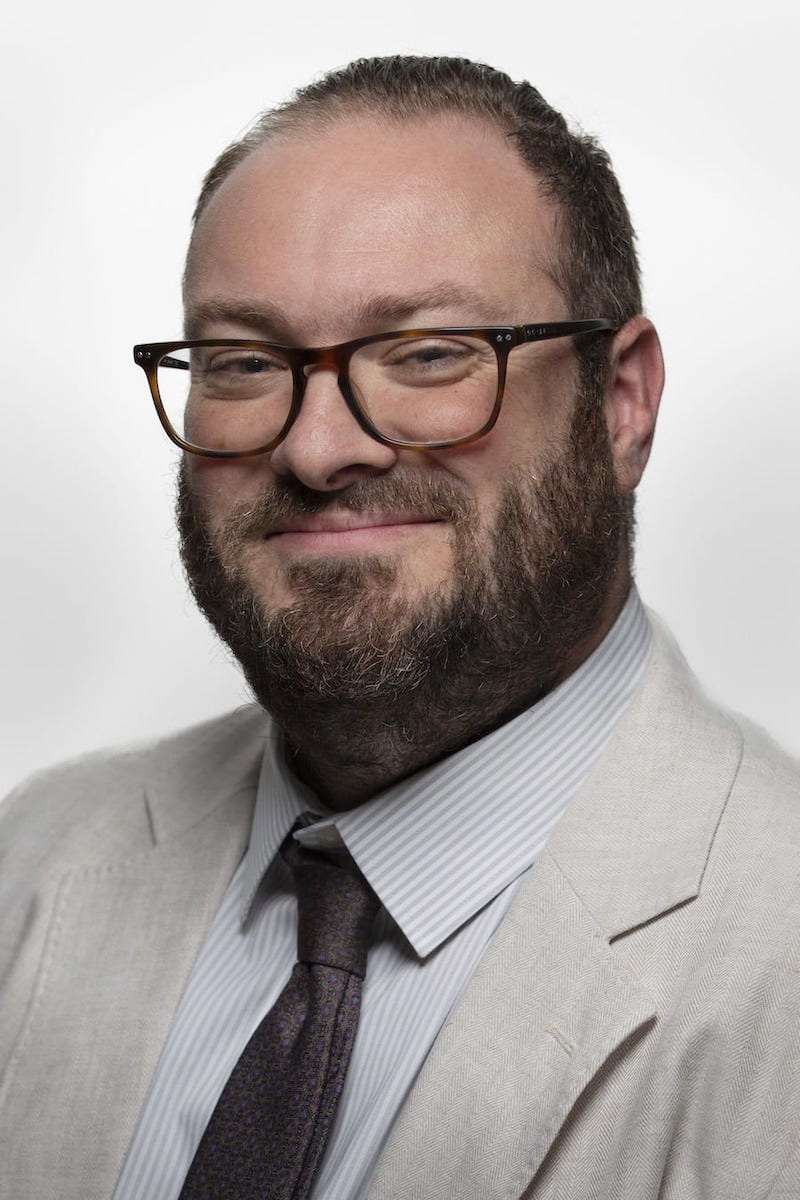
pixel 635 841
pixel 202 769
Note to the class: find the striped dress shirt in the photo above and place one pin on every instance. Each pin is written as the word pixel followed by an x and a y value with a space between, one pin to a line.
pixel 444 851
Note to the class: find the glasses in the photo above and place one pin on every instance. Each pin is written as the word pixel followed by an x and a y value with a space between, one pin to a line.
pixel 418 388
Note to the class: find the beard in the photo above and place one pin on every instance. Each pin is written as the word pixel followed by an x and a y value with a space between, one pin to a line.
pixel 353 661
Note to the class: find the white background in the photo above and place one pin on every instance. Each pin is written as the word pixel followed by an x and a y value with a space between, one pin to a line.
pixel 109 117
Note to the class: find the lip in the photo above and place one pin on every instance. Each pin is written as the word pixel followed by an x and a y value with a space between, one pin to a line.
pixel 346 530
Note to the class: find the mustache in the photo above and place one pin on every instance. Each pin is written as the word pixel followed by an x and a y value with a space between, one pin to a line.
pixel 441 499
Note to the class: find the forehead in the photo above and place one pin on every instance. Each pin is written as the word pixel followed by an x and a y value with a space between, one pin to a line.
pixel 361 207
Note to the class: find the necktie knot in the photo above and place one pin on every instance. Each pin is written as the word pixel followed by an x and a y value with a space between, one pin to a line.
pixel 336 909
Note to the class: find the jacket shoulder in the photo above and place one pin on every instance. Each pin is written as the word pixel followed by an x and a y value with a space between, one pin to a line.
pixel 758 840
pixel 763 759
pixel 101 800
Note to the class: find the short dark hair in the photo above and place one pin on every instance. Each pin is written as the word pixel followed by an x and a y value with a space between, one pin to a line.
pixel 597 267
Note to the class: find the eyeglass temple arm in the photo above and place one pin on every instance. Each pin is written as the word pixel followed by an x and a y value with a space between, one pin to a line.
pixel 557 329
pixel 169 361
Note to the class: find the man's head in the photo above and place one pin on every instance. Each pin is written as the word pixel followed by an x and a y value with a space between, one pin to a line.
pixel 456 583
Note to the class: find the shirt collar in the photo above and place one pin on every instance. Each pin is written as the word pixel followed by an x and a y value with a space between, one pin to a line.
pixel 441 844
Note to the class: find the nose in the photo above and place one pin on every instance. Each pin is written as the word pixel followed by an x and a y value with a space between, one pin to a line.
pixel 326 448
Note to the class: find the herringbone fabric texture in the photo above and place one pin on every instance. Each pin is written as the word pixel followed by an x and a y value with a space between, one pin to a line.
pixel 268 1132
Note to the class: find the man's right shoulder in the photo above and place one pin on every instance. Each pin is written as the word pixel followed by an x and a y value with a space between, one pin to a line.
pixel 103 795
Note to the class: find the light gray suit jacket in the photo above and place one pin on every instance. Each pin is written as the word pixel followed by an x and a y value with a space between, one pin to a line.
pixel 632 1032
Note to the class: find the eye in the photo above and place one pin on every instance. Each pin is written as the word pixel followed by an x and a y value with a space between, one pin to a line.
pixel 238 373
pixel 421 362
pixel 425 351
pixel 241 362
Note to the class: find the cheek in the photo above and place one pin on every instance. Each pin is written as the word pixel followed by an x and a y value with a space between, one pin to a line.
pixel 530 434
pixel 540 398
pixel 482 470
pixel 220 485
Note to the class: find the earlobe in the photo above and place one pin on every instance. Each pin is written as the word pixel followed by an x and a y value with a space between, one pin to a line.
pixel 633 393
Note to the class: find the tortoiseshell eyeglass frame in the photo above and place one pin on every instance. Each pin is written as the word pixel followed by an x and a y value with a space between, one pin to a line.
pixel 503 339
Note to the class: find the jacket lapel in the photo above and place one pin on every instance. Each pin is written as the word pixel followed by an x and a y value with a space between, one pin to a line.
pixel 554 998
pixel 524 1042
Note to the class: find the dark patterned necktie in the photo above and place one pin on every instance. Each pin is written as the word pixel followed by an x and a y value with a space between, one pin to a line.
pixel 268 1132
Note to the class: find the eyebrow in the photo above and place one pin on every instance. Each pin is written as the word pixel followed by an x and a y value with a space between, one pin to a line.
pixel 264 317
pixel 385 308
pixel 372 314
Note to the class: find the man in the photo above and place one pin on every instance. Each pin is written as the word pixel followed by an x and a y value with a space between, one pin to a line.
pixel 583 977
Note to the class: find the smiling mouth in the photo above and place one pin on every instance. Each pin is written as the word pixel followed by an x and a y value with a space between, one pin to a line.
pixel 347 530
pixel 346 522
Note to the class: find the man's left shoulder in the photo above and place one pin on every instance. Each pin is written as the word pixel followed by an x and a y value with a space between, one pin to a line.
pixel 748 785
pixel 759 834
pixel 767 768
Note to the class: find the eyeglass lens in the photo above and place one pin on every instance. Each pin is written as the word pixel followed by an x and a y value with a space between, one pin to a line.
pixel 427 389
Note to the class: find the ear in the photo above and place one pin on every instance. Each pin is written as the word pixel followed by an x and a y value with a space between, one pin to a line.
pixel 632 395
